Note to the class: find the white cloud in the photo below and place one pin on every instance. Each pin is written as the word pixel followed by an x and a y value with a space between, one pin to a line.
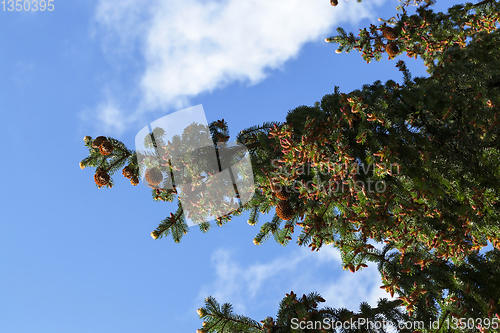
pixel 107 115
pixel 190 47
pixel 246 287
pixel 238 284
pixel 348 289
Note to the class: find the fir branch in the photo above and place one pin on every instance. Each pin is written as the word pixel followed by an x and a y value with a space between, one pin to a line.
pixel 117 162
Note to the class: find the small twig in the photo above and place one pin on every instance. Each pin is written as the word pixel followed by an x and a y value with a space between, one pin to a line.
pixel 440 325
pixel 117 162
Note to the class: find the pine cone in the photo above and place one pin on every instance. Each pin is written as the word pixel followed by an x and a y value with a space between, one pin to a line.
pixel 392 49
pixel 153 176
pixel 127 172
pixel 389 33
pixel 98 141
pixel 134 180
pixel 334 2
pixel 283 193
pixel 106 148
pixel 101 178
pixel 284 210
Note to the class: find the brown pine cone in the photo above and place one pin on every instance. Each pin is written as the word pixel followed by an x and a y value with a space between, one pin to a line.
pixel 283 193
pixel 153 176
pixel 389 33
pixel 98 141
pixel 334 2
pixel 106 148
pixel 392 49
pixel 134 180
pixel 284 210
pixel 127 172
pixel 101 178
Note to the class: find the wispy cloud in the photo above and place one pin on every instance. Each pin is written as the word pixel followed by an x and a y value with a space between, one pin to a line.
pixel 250 285
pixel 346 289
pixel 190 47
pixel 239 284
pixel 108 115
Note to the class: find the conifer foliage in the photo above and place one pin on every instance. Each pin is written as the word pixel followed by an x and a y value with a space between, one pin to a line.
pixel 414 166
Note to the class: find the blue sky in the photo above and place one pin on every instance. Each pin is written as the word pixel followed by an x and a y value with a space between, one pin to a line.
pixel 77 259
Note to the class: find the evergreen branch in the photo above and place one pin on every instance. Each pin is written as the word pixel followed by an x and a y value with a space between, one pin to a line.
pixel 484 2
pixel 117 162
pixel 89 161
pixel 215 324
pixel 254 215
pixel 224 315
pixel 442 322
pixel 166 225
pixel 254 145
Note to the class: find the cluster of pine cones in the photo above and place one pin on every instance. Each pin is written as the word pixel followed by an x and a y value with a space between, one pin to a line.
pixel 105 147
pixel 283 208
pixel 153 176
pixel 391 34
pixel 128 173
pixel 102 178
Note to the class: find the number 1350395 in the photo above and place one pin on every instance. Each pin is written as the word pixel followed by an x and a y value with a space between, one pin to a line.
pixel 27 5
